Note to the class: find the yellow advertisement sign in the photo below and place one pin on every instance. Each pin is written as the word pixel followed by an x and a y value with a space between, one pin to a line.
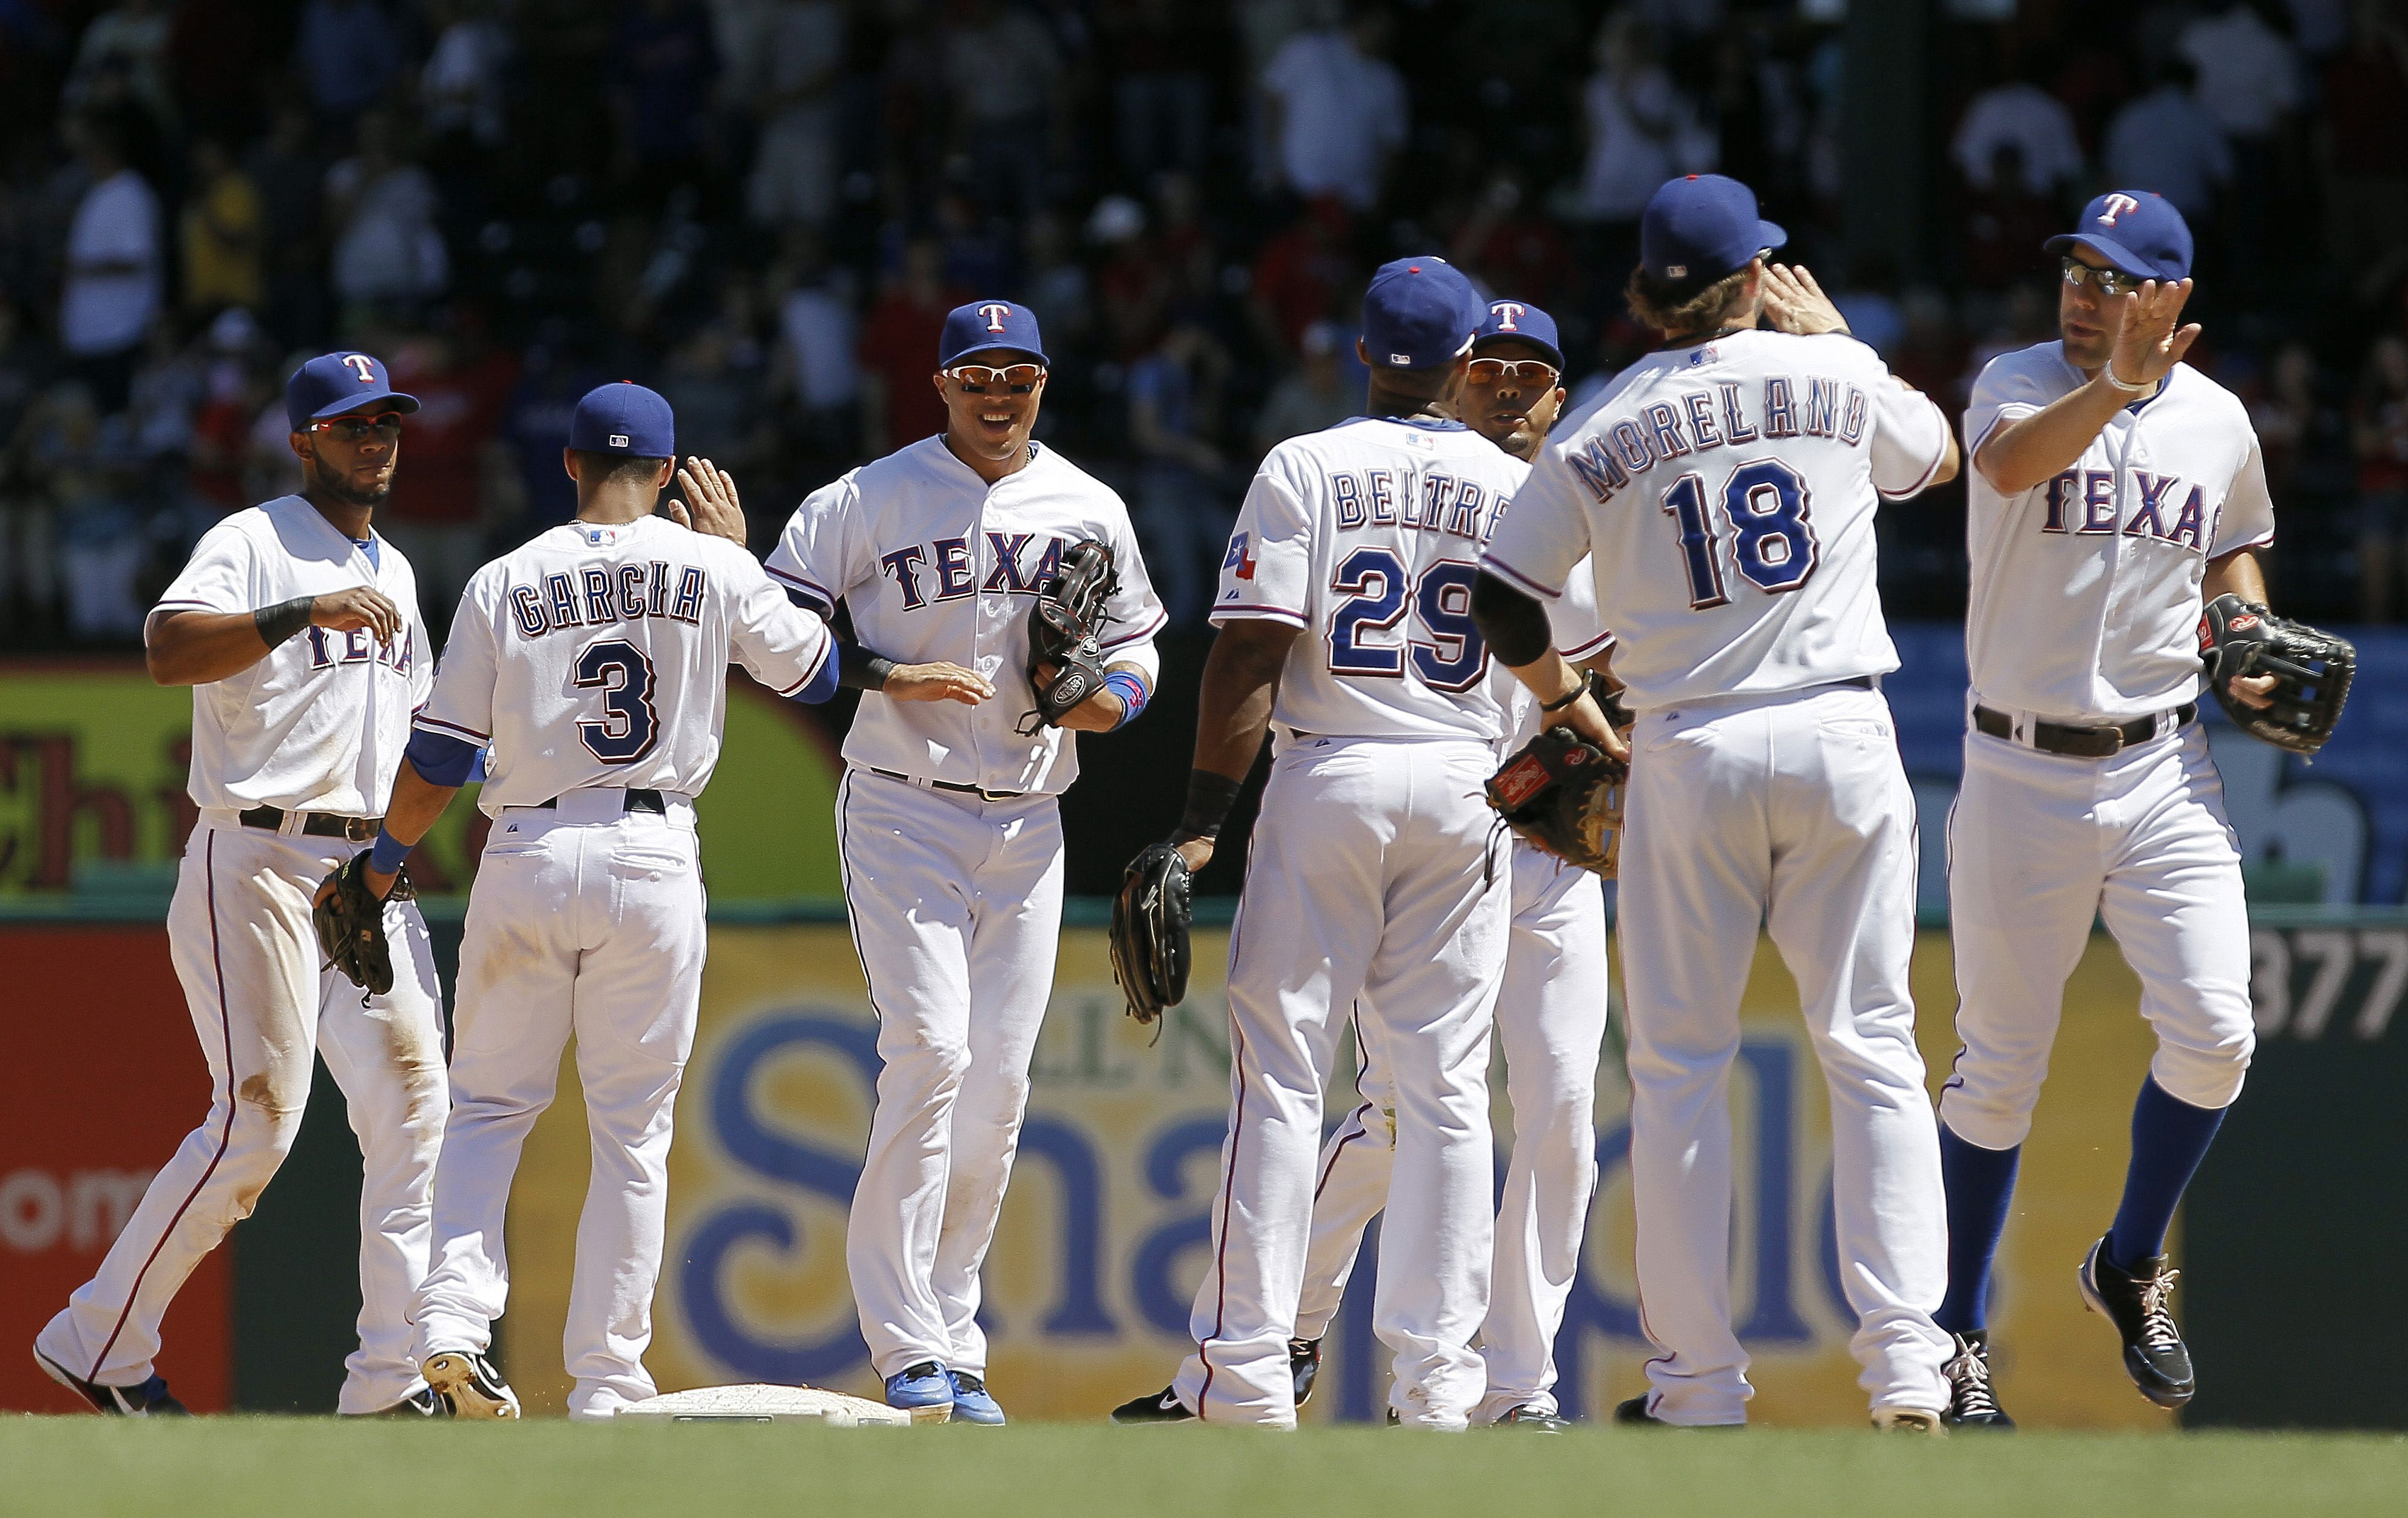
pixel 1103 1235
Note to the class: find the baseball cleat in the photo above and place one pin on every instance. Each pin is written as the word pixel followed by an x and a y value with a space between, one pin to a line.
pixel 1632 1412
pixel 925 1391
pixel 1909 1421
pixel 148 1400
pixel 425 1402
pixel 2155 1355
pixel 1304 1366
pixel 470 1383
pixel 1526 1417
pixel 1163 1406
pixel 972 1402
pixel 1973 1403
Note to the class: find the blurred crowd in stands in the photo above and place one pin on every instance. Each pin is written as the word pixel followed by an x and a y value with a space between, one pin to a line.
pixel 764 208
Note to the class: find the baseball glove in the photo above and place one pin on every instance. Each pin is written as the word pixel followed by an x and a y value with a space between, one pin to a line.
pixel 1150 918
pixel 1065 664
pixel 1564 796
pixel 349 920
pixel 2312 672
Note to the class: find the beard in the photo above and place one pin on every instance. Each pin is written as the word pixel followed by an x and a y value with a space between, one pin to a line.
pixel 338 485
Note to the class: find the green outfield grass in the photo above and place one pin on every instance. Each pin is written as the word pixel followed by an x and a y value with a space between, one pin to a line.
pixel 268 1468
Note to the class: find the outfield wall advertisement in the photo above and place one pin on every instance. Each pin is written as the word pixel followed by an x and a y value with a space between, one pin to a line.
pixel 1104 1231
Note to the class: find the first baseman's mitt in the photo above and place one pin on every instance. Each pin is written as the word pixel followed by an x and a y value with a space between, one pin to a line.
pixel 1065 663
pixel 350 918
pixel 1150 919
pixel 2312 671
pixel 1564 796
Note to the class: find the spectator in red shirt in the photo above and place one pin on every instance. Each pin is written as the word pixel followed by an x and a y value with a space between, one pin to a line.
pixel 899 353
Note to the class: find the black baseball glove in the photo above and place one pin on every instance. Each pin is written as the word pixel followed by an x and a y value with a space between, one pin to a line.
pixel 1564 794
pixel 2312 672
pixel 1150 920
pixel 1065 664
pixel 349 920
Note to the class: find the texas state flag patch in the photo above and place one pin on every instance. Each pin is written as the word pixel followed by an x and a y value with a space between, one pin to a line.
pixel 1239 559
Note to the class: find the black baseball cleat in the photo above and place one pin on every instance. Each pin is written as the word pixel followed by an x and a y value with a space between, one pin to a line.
pixel 1973 1403
pixel 425 1402
pixel 150 1399
pixel 1632 1412
pixel 1526 1417
pixel 2155 1355
pixel 1163 1406
pixel 470 1383
pixel 1304 1365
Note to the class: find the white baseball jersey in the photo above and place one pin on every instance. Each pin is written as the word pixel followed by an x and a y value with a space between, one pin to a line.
pixel 1726 491
pixel 320 723
pixel 1368 535
pixel 2086 597
pixel 596 655
pixel 933 562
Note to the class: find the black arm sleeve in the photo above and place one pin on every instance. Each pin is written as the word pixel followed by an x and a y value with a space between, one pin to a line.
pixel 858 670
pixel 1514 625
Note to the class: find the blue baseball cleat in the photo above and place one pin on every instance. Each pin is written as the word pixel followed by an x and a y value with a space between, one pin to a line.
pixel 972 1402
pixel 925 1391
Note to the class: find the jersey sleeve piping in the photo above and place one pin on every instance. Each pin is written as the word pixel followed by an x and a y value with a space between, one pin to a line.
pixel 827 651
pixel 1591 648
pixel 1249 612
pixel 811 588
pixel 2006 413
pixel 1140 635
pixel 1502 570
pixel 452 729
pixel 1917 488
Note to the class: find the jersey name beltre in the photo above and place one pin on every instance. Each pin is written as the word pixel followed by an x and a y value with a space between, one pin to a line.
pixel 931 574
pixel 1728 414
pixel 597 595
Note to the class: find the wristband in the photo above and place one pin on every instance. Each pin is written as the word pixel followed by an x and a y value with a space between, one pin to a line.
pixel 1132 691
pixel 1209 796
pixel 2108 371
pixel 858 670
pixel 280 622
pixel 1562 701
pixel 385 855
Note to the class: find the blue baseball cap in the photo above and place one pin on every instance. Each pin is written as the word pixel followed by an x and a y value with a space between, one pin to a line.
pixel 624 418
pixel 983 325
pixel 1522 319
pixel 1419 313
pixel 2137 232
pixel 332 383
pixel 1702 226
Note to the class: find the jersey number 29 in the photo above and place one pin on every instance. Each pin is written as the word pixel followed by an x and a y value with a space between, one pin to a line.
pixel 1445 647
pixel 1771 542
pixel 629 725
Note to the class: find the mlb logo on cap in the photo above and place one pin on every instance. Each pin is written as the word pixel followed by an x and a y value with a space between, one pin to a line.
pixel 624 418
pixel 334 383
pixel 1702 227
pixel 1419 313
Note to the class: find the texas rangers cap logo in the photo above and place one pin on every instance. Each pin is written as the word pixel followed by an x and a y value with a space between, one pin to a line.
pixel 994 311
pixel 1508 313
pixel 2116 205
pixel 362 365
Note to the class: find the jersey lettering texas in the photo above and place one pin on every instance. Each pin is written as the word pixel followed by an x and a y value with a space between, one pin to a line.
pixel 2082 502
pixel 597 595
pixel 328 649
pixel 948 567
pixel 1700 421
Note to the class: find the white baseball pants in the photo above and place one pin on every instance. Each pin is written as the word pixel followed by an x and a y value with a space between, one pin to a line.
pixel 2039 844
pixel 1373 874
pixel 265 1004
pixel 584 919
pixel 956 906
pixel 1791 812
pixel 1551 1018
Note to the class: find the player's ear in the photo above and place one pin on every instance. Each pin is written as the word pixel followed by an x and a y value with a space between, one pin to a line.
pixel 666 472
pixel 300 441
pixel 569 463
pixel 937 380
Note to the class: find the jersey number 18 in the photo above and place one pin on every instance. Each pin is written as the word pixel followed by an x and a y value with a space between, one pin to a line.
pixel 1771 542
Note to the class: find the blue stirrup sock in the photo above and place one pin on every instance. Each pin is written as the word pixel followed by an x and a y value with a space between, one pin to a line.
pixel 1979 1182
pixel 2169 1138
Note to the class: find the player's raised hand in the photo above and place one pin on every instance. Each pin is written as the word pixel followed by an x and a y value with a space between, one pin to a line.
pixel 938 681
pixel 1794 303
pixel 2149 345
pixel 716 509
pixel 355 609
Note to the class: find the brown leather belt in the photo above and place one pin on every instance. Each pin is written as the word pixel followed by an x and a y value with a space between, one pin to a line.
pixel 317 824
pixel 2081 742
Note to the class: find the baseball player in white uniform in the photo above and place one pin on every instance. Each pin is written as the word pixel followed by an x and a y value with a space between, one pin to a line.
pixel 949 824
pixel 1726 486
pixel 297 627
pixel 1345 628
pixel 2115 489
pixel 1550 1009
pixel 591 664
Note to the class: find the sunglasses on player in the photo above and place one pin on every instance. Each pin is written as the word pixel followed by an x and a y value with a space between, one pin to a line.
pixel 979 380
pixel 2110 283
pixel 354 428
pixel 1530 373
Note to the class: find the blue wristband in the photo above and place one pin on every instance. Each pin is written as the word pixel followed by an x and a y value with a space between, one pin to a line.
pixel 387 854
pixel 1132 691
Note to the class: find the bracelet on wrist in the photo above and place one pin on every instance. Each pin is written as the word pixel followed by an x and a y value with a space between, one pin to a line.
pixel 2107 371
pixel 1209 796
pixel 1560 702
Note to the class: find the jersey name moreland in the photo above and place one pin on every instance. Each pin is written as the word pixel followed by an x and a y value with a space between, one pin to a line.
pixel 1725 493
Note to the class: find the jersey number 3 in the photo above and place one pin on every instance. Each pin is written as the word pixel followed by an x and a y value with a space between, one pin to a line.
pixel 1772 542
pixel 1448 653
pixel 629 725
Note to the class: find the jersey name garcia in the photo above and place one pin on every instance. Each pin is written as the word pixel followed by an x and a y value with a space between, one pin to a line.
pixel 1368 535
pixel 1725 494
pixel 596 655
pixel 318 724
pixel 2086 594
pixel 934 564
